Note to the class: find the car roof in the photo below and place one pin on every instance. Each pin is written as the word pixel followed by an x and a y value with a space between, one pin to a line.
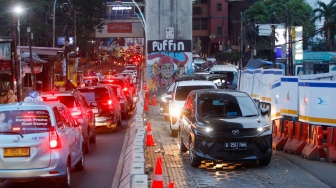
pixel 63 93
pixel 30 105
pixel 195 82
pixel 207 76
pixel 220 91
pixel 188 77
pixel 223 68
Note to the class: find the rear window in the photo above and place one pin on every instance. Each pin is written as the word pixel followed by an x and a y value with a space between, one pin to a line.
pixel 68 101
pixel 182 92
pixel 115 81
pixel 25 121
pixel 95 94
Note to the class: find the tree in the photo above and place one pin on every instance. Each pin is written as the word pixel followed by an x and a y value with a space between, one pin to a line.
pixel 89 17
pixel 328 12
pixel 298 12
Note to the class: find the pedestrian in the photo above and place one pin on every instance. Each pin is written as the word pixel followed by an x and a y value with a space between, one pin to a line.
pixel 10 97
pixel 69 86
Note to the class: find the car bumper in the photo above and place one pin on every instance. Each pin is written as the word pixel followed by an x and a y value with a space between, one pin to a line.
pixel 56 169
pixel 212 148
pixel 105 122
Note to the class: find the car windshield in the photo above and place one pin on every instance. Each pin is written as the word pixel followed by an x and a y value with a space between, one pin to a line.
pixel 183 91
pixel 226 105
pixel 25 121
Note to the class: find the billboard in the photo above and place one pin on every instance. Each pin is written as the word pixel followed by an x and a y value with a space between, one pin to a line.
pixel 61 40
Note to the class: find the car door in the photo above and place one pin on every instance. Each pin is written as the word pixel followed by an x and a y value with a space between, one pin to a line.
pixel 68 132
pixel 185 122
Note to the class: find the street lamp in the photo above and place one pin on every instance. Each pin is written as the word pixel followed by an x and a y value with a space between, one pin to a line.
pixel 18 10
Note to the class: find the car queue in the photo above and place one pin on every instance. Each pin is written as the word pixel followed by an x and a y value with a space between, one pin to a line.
pixel 49 133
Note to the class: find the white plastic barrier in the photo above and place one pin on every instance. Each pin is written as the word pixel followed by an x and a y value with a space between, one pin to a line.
pixel 288 96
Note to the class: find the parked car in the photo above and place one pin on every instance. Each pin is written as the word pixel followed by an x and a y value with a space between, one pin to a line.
pixel 90 81
pixel 39 140
pixel 219 79
pixel 164 98
pixel 224 125
pixel 104 104
pixel 126 106
pixel 77 104
pixel 179 95
pixel 231 73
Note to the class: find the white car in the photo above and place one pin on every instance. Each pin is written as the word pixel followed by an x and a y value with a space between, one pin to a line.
pixel 39 140
pixel 134 74
pixel 179 95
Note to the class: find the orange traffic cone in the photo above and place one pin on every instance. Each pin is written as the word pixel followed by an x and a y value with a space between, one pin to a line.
pixel 146 105
pixel 149 137
pixel 158 178
pixel 171 184
pixel 154 100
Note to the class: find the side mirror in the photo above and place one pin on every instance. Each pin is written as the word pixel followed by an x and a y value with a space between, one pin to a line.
pixel 264 111
pixel 185 112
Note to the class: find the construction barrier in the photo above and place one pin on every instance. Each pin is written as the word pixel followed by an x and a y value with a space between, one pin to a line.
pixel 313 149
pixel 297 136
pixel 330 144
pixel 279 134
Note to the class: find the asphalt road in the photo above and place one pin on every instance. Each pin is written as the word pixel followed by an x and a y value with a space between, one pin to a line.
pixel 100 167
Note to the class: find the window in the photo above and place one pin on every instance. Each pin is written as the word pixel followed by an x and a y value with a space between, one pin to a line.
pixel 197 10
pixel 200 24
pixel 219 31
pixel 219 7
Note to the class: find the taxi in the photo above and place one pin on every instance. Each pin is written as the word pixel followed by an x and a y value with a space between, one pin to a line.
pixel 39 139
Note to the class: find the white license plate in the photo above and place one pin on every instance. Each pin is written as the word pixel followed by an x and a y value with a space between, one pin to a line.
pixel 235 145
pixel 95 111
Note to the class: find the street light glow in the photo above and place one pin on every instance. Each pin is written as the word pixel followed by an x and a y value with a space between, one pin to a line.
pixel 18 9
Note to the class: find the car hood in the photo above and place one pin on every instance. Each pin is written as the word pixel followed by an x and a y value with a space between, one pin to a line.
pixel 232 122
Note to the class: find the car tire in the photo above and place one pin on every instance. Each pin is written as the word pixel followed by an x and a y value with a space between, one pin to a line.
pixel 183 148
pixel 65 182
pixel 119 121
pixel 193 160
pixel 93 137
pixel 265 162
pixel 81 163
pixel 86 146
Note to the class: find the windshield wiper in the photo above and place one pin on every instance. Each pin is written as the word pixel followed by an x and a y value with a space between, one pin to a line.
pixel 251 115
pixel 11 132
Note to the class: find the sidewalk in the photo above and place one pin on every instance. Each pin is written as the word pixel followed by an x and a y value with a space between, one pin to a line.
pixel 285 170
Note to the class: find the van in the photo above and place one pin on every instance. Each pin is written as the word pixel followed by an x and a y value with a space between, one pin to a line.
pixel 231 73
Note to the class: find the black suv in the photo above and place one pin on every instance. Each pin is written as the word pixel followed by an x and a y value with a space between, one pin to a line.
pixel 104 104
pixel 79 109
pixel 224 125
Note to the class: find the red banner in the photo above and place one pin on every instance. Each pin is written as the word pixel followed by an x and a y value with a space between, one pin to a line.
pixel 119 27
pixel 5 65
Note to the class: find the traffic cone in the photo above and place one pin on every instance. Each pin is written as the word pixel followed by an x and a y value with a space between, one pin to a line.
pixel 149 137
pixel 158 178
pixel 146 105
pixel 154 100
pixel 171 184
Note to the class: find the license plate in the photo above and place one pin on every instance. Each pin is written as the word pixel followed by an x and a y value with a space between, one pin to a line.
pixel 235 145
pixel 17 152
pixel 95 111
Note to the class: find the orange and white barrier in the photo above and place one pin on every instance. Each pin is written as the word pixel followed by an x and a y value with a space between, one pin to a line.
pixel 279 134
pixel 297 136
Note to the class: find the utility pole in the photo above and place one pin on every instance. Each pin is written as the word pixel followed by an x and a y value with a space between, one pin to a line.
pixel 30 37
pixel 273 39
pixel 241 49
pixel 290 58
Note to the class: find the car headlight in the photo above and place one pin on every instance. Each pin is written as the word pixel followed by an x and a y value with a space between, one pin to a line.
pixel 205 129
pixel 263 128
pixel 163 99
pixel 175 112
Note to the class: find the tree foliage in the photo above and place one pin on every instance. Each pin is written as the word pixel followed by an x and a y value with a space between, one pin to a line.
pixel 89 17
pixel 295 12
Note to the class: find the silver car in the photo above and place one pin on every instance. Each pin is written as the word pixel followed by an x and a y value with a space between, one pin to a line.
pixel 39 140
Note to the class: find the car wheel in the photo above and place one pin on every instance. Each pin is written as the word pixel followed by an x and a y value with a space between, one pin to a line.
pixel 183 148
pixel 81 163
pixel 86 146
pixel 192 156
pixel 93 137
pixel 65 181
pixel 265 162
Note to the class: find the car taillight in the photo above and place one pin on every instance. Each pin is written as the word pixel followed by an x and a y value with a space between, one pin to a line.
pixel 109 102
pixel 125 89
pixel 54 139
